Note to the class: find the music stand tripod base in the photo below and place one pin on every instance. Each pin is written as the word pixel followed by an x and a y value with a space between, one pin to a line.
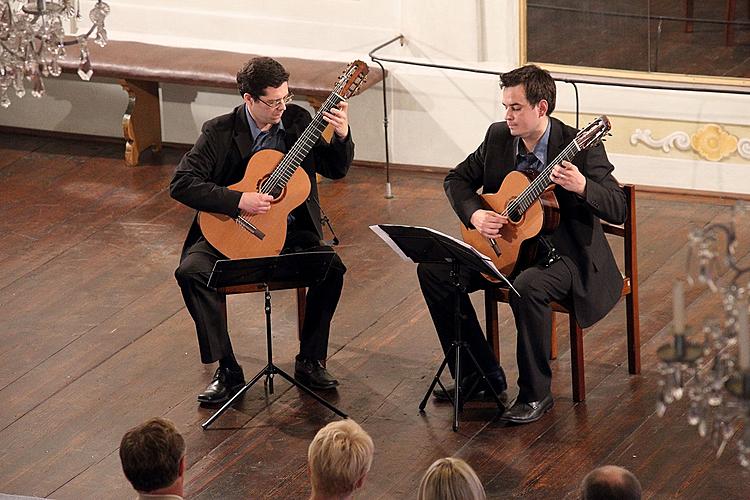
pixel 423 245
pixel 456 346
pixel 281 272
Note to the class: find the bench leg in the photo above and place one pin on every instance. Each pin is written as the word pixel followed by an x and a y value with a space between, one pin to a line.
pixel 141 123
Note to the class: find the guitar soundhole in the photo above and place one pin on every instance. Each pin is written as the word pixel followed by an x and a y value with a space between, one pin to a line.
pixel 515 216
pixel 277 191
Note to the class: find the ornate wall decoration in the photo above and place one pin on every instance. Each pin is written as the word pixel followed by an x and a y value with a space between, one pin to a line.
pixel 743 148
pixel 711 142
pixel 678 140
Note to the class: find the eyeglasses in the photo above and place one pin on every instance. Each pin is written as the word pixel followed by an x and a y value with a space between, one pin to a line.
pixel 276 103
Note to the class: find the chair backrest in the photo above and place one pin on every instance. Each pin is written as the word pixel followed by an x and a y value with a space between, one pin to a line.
pixel 628 233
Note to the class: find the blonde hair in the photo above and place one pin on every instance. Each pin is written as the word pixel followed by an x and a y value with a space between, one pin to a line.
pixel 339 457
pixel 451 479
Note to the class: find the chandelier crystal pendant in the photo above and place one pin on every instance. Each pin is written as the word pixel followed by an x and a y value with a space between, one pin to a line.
pixel 33 40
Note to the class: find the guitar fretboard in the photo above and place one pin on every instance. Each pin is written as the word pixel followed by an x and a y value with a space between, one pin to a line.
pixel 301 148
pixel 534 190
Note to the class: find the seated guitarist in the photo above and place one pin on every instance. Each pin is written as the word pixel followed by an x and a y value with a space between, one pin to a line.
pixel 576 264
pixel 265 120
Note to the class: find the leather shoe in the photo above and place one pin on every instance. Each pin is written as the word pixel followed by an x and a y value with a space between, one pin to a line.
pixel 313 374
pixel 224 385
pixel 524 413
pixel 473 388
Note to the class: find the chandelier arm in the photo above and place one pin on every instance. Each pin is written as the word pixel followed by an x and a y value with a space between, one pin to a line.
pixel 68 43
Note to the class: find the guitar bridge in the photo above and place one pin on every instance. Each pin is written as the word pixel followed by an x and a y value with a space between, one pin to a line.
pixel 249 226
pixel 496 248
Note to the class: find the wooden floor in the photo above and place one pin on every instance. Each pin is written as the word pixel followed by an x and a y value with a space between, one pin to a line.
pixel 96 339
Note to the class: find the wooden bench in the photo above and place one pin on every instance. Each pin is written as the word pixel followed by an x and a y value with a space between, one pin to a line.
pixel 141 67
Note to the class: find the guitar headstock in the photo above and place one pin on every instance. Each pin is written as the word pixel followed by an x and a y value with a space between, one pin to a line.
pixel 593 133
pixel 350 80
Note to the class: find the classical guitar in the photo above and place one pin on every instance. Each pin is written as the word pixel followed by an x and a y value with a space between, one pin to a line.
pixel 272 172
pixel 529 203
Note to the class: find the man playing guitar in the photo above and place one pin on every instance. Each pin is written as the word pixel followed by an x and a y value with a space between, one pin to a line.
pixel 573 263
pixel 265 120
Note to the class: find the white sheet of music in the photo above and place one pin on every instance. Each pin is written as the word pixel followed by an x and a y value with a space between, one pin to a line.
pixel 378 229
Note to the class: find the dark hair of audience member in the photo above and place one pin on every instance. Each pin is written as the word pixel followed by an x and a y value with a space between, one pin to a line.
pixel 610 482
pixel 151 454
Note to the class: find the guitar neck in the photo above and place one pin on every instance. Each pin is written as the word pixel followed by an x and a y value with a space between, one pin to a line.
pixel 301 148
pixel 542 181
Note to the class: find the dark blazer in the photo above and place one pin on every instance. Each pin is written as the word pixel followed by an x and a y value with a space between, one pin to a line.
pixel 219 158
pixel 579 238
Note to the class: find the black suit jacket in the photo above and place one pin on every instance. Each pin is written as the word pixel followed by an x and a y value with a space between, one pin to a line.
pixel 219 158
pixel 579 238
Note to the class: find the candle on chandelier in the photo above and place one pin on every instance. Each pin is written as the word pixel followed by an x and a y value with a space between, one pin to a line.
pixel 743 335
pixel 678 307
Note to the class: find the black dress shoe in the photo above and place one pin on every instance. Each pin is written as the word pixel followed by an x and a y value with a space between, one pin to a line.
pixel 225 384
pixel 524 413
pixel 313 374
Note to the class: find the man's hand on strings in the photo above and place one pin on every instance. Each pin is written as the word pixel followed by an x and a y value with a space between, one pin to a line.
pixel 488 223
pixel 338 117
pixel 255 203
pixel 567 176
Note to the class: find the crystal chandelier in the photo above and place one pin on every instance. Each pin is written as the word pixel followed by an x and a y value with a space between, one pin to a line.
pixel 713 371
pixel 32 41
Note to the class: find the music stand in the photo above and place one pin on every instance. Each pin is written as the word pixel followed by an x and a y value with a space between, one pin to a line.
pixel 281 272
pixel 426 245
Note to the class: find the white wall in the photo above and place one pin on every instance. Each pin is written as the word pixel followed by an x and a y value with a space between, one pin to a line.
pixel 435 116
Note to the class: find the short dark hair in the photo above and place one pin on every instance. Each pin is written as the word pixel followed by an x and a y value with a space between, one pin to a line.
pixel 537 83
pixel 259 73
pixel 150 454
pixel 610 483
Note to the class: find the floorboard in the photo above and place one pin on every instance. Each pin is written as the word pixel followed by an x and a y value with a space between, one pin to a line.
pixel 96 339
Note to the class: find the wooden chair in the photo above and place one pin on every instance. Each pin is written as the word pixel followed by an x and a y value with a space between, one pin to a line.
pixel 629 290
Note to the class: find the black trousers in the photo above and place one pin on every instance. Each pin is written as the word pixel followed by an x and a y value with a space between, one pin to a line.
pixel 208 307
pixel 538 285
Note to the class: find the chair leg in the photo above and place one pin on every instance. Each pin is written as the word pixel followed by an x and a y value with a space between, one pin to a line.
pixel 553 338
pixel 576 361
pixel 634 333
pixel 729 30
pixel 689 16
pixel 492 324
pixel 301 303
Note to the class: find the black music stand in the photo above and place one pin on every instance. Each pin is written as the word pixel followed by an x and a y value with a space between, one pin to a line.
pixel 425 245
pixel 282 272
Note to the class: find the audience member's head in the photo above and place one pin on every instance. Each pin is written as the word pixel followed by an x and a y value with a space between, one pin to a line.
pixel 339 459
pixel 451 479
pixel 610 483
pixel 153 457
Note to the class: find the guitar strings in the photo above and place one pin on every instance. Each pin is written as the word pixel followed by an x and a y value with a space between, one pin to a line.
pixel 284 171
pixel 540 183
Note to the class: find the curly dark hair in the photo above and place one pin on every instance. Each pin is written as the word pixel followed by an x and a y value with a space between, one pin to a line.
pixel 259 73
pixel 537 83
pixel 150 454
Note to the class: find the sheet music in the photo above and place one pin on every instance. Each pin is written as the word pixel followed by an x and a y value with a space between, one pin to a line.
pixel 384 236
pixel 378 229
